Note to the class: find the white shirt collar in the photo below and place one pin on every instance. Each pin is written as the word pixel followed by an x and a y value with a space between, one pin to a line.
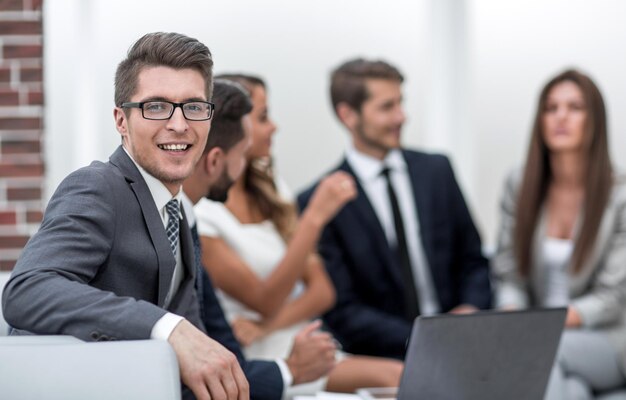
pixel 160 194
pixel 367 168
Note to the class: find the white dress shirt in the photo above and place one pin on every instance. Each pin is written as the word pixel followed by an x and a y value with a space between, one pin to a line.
pixel 368 171
pixel 161 196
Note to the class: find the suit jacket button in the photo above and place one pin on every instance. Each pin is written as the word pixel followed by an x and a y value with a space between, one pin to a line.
pixel 95 335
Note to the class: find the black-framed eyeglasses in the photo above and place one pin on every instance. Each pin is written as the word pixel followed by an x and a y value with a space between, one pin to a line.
pixel 160 110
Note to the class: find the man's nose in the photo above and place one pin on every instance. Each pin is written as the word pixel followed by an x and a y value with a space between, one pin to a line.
pixel 177 121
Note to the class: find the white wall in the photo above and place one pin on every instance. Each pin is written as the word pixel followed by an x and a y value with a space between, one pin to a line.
pixel 516 46
pixel 473 68
pixel 293 45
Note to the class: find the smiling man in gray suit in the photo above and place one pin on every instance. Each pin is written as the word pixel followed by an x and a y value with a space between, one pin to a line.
pixel 114 258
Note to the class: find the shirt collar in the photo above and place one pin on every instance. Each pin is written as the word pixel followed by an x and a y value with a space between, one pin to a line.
pixel 160 194
pixel 368 168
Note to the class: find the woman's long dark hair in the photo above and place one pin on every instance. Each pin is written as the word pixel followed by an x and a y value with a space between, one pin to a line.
pixel 538 175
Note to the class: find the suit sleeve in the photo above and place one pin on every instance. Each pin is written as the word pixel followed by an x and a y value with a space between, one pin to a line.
pixel 264 377
pixel 475 288
pixel 49 291
pixel 603 302
pixel 360 328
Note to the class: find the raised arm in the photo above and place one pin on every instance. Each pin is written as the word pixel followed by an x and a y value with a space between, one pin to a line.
pixel 266 296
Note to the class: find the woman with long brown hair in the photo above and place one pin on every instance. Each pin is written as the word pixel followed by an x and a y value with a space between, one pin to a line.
pixel 262 258
pixel 562 241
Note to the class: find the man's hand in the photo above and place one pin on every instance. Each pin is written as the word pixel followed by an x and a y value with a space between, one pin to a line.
pixel 464 309
pixel 207 368
pixel 312 355
pixel 332 193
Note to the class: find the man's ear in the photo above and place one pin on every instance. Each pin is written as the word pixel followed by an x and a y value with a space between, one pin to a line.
pixel 214 161
pixel 121 121
pixel 347 115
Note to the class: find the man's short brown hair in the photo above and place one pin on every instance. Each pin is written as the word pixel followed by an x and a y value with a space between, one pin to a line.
pixel 166 49
pixel 347 84
pixel 232 103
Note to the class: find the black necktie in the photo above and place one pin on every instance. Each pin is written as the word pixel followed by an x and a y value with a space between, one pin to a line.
pixel 197 255
pixel 411 302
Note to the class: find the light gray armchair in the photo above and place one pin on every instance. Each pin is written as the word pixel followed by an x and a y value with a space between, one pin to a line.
pixel 43 367
pixel 66 368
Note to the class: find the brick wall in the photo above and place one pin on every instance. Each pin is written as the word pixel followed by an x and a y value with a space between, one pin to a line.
pixel 21 125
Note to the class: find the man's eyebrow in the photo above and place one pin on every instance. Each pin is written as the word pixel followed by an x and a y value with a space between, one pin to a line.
pixel 154 98
pixel 160 98
pixel 194 99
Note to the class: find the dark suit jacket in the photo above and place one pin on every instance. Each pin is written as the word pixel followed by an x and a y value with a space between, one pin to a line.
pixel 100 265
pixel 368 317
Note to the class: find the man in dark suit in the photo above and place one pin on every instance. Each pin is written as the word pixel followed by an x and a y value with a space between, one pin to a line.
pixel 222 162
pixel 407 245
pixel 113 259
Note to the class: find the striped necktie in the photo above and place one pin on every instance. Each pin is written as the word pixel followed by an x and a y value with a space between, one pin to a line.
pixel 173 224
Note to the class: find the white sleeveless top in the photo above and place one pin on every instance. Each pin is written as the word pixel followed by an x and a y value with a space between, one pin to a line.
pixel 261 247
pixel 551 277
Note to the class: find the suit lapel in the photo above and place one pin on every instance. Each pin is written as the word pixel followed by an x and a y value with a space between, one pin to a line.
pixel 186 246
pixel 153 220
pixel 370 222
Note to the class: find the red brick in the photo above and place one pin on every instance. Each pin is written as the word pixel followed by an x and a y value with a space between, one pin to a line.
pixel 5 74
pixel 25 147
pixel 13 241
pixel 18 170
pixel 7 218
pixel 14 194
pixel 36 5
pixel 31 75
pixel 20 27
pixel 35 98
pixel 20 123
pixel 33 217
pixel 26 51
pixel 7 265
pixel 9 97
pixel 11 5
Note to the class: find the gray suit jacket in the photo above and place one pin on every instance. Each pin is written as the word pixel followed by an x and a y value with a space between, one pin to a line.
pixel 599 291
pixel 100 266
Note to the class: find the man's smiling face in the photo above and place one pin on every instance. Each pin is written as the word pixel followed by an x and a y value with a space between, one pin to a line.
pixel 166 149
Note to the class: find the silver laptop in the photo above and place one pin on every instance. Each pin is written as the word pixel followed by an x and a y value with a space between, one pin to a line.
pixel 490 355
